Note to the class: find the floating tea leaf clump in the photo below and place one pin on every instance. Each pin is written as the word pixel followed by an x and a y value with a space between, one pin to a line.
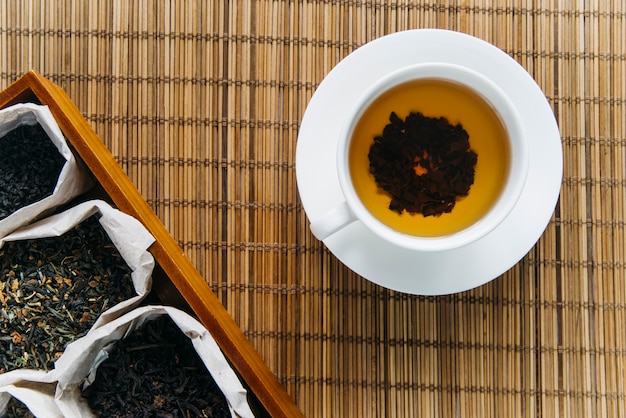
pixel 155 372
pixel 423 163
pixel 52 291
pixel 31 165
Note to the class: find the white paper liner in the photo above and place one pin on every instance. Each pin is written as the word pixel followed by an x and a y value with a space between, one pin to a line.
pixel 129 237
pixel 77 367
pixel 73 180
pixel 34 388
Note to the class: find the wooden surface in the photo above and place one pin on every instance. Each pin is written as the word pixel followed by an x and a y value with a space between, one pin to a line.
pixel 175 276
pixel 200 103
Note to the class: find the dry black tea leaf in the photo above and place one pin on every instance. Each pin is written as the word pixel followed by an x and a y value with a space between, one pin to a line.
pixel 31 165
pixel 423 163
pixel 155 372
pixel 52 291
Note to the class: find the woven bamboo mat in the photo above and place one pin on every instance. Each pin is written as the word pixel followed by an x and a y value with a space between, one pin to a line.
pixel 200 102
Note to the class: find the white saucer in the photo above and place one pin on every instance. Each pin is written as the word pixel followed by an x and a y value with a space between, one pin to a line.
pixel 428 273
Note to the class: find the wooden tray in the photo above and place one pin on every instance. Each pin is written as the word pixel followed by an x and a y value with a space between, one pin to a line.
pixel 176 281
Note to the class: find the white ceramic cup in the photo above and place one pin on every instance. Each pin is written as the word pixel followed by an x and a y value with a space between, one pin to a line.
pixel 351 209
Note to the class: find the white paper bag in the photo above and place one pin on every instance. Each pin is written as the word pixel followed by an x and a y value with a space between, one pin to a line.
pixel 129 236
pixel 78 365
pixel 35 389
pixel 73 180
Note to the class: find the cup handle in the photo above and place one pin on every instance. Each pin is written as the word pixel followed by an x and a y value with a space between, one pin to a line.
pixel 332 221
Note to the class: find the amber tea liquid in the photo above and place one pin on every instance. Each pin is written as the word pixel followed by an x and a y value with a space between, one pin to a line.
pixel 434 98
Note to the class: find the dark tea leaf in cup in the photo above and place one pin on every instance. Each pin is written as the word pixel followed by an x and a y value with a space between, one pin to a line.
pixel 423 163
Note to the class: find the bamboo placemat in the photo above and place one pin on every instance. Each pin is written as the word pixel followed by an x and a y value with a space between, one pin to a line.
pixel 200 102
